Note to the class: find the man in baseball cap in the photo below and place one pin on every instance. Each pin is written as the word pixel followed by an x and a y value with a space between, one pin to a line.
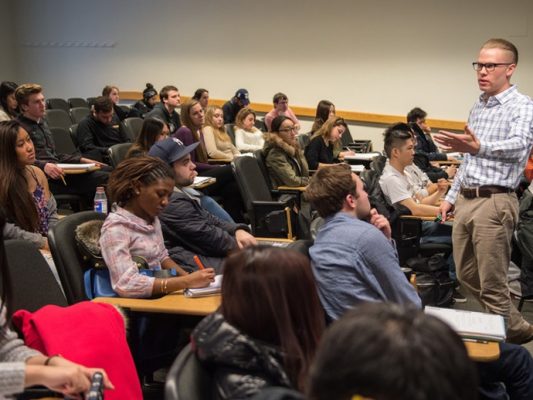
pixel 233 106
pixel 190 229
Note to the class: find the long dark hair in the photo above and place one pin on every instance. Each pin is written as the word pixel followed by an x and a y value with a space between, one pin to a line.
pixel 200 151
pixel 150 130
pixel 270 294
pixel 7 88
pixel 322 114
pixel 15 198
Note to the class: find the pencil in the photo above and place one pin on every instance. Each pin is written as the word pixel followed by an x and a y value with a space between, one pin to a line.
pixel 198 262
pixel 63 179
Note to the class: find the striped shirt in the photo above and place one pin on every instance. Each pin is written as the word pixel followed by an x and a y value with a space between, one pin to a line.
pixel 504 126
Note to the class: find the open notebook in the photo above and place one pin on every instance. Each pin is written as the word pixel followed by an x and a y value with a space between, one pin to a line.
pixel 471 324
pixel 84 167
pixel 213 288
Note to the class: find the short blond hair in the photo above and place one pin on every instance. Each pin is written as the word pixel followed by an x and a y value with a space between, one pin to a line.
pixel 24 91
pixel 504 45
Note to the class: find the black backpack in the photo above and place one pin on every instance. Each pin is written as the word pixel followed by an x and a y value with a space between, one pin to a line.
pixel 434 285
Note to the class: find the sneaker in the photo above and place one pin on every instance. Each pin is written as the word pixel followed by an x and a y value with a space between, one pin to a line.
pixel 458 297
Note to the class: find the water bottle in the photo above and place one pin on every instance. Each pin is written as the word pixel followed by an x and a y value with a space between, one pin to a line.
pixel 100 200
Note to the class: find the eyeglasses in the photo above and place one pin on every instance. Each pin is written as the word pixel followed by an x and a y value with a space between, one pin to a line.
pixel 287 130
pixel 489 67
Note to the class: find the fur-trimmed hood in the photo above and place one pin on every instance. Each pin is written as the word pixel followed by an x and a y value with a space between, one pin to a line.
pixel 274 140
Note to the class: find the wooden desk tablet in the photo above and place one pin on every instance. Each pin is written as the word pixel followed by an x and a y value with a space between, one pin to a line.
pixel 293 188
pixel 75 171
pixel 484 352
pixel 173 303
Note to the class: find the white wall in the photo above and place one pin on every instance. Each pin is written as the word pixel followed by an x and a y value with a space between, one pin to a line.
pixel 7 43
pixel 374 56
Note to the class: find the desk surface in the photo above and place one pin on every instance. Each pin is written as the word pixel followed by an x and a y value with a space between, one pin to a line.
pixel 76 171
pixel 173 303
pixel 483 352
pixel 294 188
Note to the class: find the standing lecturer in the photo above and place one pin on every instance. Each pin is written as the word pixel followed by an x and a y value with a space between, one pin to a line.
pixel 496 142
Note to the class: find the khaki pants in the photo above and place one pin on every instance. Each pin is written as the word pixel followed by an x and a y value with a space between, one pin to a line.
pixel 482 233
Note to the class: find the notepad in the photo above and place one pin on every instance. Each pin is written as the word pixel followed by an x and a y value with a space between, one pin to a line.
pixel 213 288
pixel 471 324
pixel 84 167
pixel 357 168
pixel 198 180
pixel 362 156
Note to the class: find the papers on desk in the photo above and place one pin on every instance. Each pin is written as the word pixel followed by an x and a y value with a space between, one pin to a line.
pixel 200 180
pixel 455 154
pixel 471 324
pixel 213 288
pixel 357 168
pixel 83 167
pixel 362 156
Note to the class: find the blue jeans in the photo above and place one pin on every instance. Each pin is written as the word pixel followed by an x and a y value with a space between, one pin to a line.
pixel 214 208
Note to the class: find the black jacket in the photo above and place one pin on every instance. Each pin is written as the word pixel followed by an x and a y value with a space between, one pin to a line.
pixel 160 112
pixel 95 138
pixel 426 146
pixel 242 366
pixel 189 229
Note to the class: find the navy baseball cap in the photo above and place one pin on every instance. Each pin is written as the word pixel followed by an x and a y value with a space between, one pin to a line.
pixel 243 96
pixel 171 149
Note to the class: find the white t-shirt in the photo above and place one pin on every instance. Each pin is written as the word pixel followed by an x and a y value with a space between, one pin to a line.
pixel 395 185
pixel 418 179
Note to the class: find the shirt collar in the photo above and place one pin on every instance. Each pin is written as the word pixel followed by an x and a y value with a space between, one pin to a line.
pixel 500 98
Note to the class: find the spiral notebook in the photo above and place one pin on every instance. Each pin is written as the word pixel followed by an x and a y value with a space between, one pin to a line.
pixel 213 288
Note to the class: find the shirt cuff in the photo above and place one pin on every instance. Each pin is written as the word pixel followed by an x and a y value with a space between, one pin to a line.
pixel 12 376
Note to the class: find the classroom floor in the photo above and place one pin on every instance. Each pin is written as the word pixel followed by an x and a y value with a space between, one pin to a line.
pixel 472 305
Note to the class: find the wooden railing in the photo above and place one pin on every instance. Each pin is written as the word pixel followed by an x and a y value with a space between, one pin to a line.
pixel 308 112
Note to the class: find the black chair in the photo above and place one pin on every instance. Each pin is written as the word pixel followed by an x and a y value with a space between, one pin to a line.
pixel 73 130
pixel 63 140
pixel 117 153
pixel 125 108
pixel 32 286
pixel 91 100
pixel 133 126
pixel 67 258
pixel 360 146
pixel 77 102
pixel 230 130
pixel 79 113
pixel 58 119
pixel 303 140
pixel 269 218
pixel 260 124
pixel 29 276
pixel 57 104
pixel 187 379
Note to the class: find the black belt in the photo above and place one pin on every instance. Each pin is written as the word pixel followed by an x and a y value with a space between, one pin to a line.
pixel 484 191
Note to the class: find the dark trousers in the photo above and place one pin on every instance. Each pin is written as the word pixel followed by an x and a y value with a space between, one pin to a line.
pixel 514 369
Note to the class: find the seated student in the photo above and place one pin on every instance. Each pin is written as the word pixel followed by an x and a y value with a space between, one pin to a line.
pixel 325 110
pixel 233 106
pixel 22 367
pixel 153 130
pixel 96 132
pixel 113 93
pixel 385 352
pixel 285 161
pixel 353 257
pixel 148 101
pixel 319 152
pixel 188 227
pixel 424 143
pixel 281 107
pixel 141 187
pixel 225 186
pixel 25 198
pixel 217 142
pixel 270 338
pixel 248 138
pixel 202 97
pixel 350 359
pixel 8 103
pixel 31 101
pixel 166 109
pixel 399 147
